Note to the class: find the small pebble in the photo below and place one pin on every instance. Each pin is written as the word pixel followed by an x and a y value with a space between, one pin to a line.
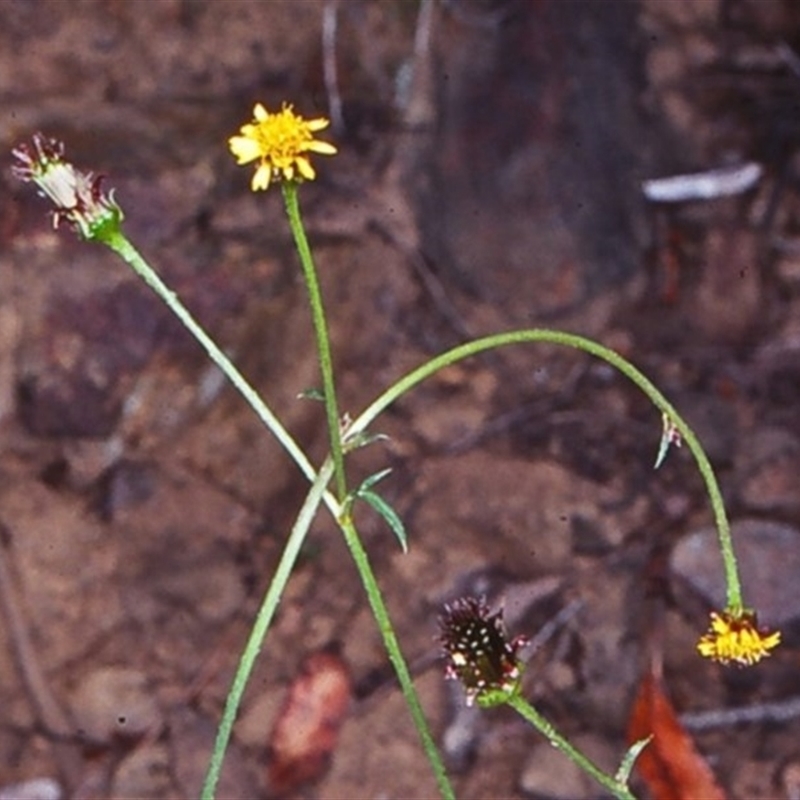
pixel 34 789
pixel 769 563
pixel 114 701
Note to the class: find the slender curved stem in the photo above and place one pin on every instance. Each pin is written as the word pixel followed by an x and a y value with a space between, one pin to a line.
pixel 408 381
pixel 120 245
pixel 381 615
pixel 260 627
pixel 345 521
pixel 524 708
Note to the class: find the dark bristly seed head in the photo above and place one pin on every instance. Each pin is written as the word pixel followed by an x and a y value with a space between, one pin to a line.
pixel 476 647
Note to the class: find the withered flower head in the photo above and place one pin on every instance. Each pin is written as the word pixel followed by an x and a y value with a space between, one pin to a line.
pixel 77 196
pixel 477 650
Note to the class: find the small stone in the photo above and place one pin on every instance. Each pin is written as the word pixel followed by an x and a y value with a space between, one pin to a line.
pixel 192 739
pixel 213 590
pixel 788 265
pixel 769 471
pixel 753 778
pixel 74 379
pixel 10 335
pixel 714 422
pixel 114 701
pixel 790 780
pixel 257 720
pixel 125 484
pixel 549 773
pixel 143 774
pixel 34 789
pixel 461 737
pixel 727 301
pixel 769 562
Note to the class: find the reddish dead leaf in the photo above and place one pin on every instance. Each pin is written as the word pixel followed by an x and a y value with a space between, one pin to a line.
pixel 308 725
pixel 670 765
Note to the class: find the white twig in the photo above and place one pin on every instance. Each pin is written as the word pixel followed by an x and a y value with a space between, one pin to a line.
pixel 330 14
pixel 727 717
pixel 707 185
pixel 551 627
pixel 419 110
pixel 790 58
pixel 49 712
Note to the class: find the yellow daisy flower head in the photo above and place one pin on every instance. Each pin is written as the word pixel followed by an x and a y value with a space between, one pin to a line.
pixel 737 637
pixel 280 143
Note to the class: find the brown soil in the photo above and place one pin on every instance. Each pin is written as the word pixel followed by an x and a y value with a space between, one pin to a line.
pixel 143 507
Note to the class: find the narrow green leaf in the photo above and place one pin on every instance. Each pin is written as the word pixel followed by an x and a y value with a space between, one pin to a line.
pixel 369 482
pixel 670 435
pixel 361 439
pixel 388 513
pixel 634 751
pixel 312 394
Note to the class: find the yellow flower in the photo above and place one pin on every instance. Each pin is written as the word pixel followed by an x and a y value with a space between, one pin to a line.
pixel 280 143
pixel 736 637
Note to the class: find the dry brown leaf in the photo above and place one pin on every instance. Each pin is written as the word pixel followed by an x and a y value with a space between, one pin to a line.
pixel 670 765
pixel 307 727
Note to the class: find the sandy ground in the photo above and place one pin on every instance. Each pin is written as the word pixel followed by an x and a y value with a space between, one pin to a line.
pixel 489 177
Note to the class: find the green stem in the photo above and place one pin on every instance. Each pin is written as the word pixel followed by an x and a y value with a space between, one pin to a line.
pixel 407 382
pixel 260 627
pixel 116 241
pixel 381 615
pixel 345 522
pixel 120 245
pixel 544 727
pixel 321 330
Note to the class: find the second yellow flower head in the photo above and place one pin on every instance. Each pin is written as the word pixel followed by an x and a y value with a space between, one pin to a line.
pixel 737 637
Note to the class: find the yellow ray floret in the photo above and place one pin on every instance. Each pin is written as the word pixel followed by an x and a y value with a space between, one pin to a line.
pixel 280 143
